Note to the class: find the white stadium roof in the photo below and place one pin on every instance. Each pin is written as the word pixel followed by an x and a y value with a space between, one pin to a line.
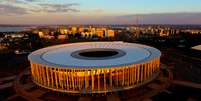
pixel 198 47
pixel 61 55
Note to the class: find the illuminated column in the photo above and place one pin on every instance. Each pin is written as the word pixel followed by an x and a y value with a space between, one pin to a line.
pixel 104 80
pixel 44 76
pixel 64 78
pixel 146 71
pixel 155 64
pixel 152 68
pixel 99 79
pixel 127 78
pixel 67 79
pixel 41 74
pixel 56 78
pixel 123 76
pixel 92 81
pixel 138 73
pixel 52 81
pixel 61 78
pixel 116 77
pixel 159 63
pixel 35 72
pixel 48 77
pixel 32 70
pixel 79 84
pixel 143 72
pixel 81 79
pixel 111 79
pixel 86 80
pixel 131 75
pixel 149 69
pixel 39 71
pixel 134 74
pixel 72 76
pixel 38 74
pixel 75 79
pixel 128 71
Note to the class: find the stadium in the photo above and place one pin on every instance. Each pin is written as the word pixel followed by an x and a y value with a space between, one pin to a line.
pixel 94 67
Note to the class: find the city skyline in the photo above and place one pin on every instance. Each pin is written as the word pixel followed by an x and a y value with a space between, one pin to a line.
pixel 100 12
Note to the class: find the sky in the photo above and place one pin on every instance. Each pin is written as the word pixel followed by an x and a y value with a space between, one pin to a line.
pixel 100 11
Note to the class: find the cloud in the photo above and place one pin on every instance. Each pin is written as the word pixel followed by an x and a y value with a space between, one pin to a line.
pixel 12 10
pixel 164 18
pixel 31 0
pixel 56 8
pixel 19 1
pixel 21 7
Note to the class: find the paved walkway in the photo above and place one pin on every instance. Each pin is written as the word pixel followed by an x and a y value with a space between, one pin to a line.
pixel 187 84
pixel 7 78
pixel 4 82
pixel 6 85
pixel 113 97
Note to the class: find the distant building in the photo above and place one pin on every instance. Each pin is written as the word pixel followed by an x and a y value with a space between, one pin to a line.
pixel 110 33
pixel 74 30
pixel 81 29
pixel 62 37
pixel 41 34
pixel 164 33
pixel 63 31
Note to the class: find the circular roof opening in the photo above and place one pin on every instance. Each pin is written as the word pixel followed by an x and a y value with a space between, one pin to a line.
pixel 98 54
